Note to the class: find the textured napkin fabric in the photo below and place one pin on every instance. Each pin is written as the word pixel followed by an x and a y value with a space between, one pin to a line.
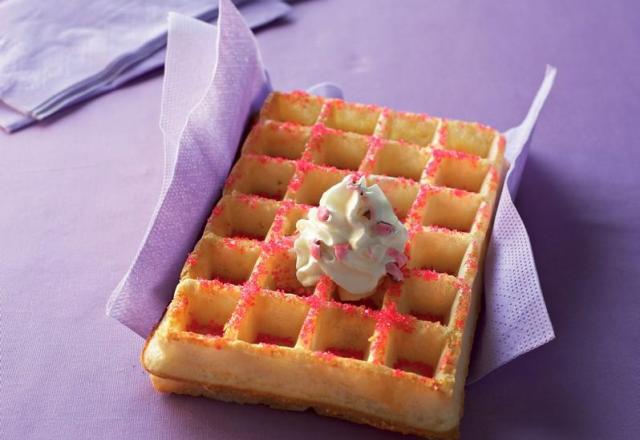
pixel 58 53
pixel 202 128
pixel 204 111
pixel 514 318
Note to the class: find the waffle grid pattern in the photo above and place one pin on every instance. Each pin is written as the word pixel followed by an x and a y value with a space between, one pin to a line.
pixel 441 178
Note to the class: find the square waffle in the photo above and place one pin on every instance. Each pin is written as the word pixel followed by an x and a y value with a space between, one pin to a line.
pixel 242 328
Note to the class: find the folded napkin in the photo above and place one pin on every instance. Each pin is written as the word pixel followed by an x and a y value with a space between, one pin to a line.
pixel 58 53
pixel 515 318
pixel 204 112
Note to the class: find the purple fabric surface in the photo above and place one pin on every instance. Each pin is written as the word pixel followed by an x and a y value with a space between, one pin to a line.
pixel 76 197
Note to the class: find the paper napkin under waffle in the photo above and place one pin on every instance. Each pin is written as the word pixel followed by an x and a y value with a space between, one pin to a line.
pixel 204 113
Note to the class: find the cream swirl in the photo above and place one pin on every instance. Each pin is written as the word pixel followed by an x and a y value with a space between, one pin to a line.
pixel 353 236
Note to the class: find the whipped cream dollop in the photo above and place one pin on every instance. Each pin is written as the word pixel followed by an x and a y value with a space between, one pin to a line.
pixel 353 236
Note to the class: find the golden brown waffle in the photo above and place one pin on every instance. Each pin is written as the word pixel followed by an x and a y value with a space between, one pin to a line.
pixel 242 328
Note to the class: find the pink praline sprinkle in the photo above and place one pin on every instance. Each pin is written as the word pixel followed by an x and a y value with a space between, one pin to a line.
pixel 383 228
pixel 315 250
pixel 399 257
pixel 323 213
pixel 342 250
pixel 353 182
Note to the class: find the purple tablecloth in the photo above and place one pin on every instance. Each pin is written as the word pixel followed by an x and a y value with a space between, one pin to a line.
pixel 76 195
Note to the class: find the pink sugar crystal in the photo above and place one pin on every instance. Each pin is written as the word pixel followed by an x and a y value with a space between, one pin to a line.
pixel 192 259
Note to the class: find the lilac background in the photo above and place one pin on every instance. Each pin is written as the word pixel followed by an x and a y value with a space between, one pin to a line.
pixel 76 195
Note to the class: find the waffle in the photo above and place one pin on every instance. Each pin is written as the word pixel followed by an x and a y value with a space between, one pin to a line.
pixel 242 328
